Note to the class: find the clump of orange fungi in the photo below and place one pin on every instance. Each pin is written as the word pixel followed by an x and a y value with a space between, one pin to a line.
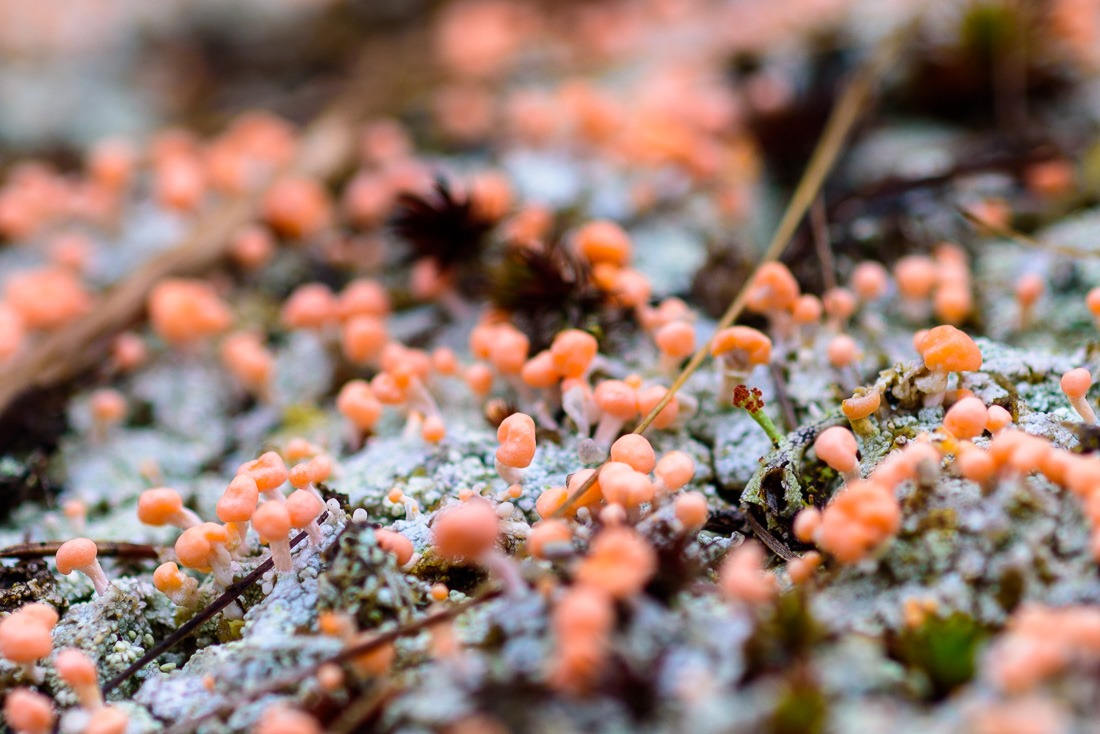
pixel 26 638
pixel 80 554
pixel 860 519
pixel 738 350
pixel 1076 384
pixel 1042 642
pixel 183 312
pixel 46 298
pixel 944 350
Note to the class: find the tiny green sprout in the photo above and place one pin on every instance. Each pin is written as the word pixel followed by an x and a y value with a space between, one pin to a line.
pixel 752 401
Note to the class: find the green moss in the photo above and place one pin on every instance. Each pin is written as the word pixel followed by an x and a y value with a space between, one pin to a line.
pixel 802 708
pixel 942 649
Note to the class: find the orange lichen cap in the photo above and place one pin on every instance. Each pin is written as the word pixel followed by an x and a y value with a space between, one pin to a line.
pixel 183 310
pixel 272 521
pixel 303 506
pixel 1076 382
pixel 837 447
pixel 195 548
pixel 773 288
pixel 28 712
pixel 915 275
pixel 860 406
pixel 573 351
pixel 649 397
pixel 168 577
pixel 76 554
pixel 268 471
pixel 47 298
pixel 516 435
pixel 310 306
pixel 619 562
pixel 746 339
pixel 743 577
pixel 466 532
pixel 279 719
pixel 676 339
pixel 157 506
pixel 396 544
pixel 947 349
pixel 691 509
pixel 239 500
pixel 76 668
pixel 547 533
pixel 635 451
pixel 540 372
pixel 41 612
pixel 675 469
pixel 357 403
pixel 617 398
pixel 966 418
pixel 508 350
pixel 604 242
pixel 297 206
pixel 24 639
pixel 363 338
pixel 869 280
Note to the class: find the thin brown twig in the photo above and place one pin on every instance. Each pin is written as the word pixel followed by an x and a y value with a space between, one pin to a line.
pixel 1007 232
pixel 229 596
pixel 777 546
pixel 840 123
pixel 348 653
pixel 361 709
pixel 105 548
pixel 786 408
pixel 820 233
